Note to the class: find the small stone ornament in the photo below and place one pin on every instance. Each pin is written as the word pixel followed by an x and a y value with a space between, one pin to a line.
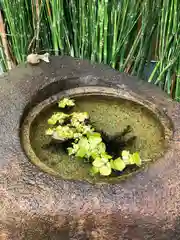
pixel 35 58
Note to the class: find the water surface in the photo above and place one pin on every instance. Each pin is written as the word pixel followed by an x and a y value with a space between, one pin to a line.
pixel 108 114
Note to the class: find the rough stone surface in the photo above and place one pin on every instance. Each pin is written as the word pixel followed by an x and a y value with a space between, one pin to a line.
pixel 35 205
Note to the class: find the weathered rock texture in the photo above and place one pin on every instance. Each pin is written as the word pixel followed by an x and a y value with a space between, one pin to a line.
pixel 35 205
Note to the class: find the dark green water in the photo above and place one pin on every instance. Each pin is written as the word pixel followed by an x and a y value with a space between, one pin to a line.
pixel 112 116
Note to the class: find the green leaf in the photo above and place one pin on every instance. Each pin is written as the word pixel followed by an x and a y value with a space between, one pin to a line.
pixel 101 148
pixel 79 117
pixel 105 170
pixel 83 142
pixel 94 154
pixel 112 164
pixel 83 145
pixel 105 156
pixel 86 129
pixel 98 163
pixel 49 131
pixel 94 139
pixel 53 120
pixel 73 150
pixel 57 117
pixel 61 117
pixel 66 102
pixel 94 170
pixel 75 145
pixel 104 160
pixel 70 151
pixel 119 164
pixel 77 135
pixel 81 152
pixel 135 158
pixel 94 134
pixel 125 155
pixel 63 132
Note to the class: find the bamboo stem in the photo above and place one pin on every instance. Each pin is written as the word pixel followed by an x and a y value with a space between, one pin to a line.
pixel 10 63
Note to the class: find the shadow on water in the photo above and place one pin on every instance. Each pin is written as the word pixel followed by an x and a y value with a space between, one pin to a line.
pixel 114 144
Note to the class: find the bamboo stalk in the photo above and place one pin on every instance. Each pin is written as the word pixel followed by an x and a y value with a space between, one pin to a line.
pixel 119 33
pixel 177 90
pixel 9 60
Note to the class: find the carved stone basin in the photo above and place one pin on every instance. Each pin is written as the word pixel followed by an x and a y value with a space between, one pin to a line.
pixel 38 202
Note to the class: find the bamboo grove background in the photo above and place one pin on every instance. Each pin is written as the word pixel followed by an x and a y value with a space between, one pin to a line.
pixel 126 34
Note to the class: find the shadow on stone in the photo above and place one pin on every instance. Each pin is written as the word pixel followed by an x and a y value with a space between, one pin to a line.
pixel 93 227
